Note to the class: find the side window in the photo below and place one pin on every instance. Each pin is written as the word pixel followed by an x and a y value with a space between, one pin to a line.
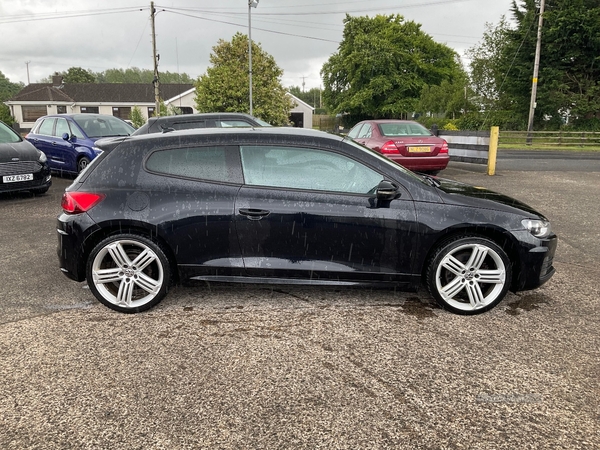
pixel 201 163
pixel 233 123
pixel 46 127
pixel 365 132
pixel 355 131
pixel 306 168
pixel 61 128
pixel 75 131
pixel 187 125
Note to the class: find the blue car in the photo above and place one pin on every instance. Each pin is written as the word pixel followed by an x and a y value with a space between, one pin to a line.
pixel 68 140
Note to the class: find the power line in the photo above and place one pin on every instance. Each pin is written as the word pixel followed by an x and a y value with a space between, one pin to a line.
pixel 261 29
pixel 66 15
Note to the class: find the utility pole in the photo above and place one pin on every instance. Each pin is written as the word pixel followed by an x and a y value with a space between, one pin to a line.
pixel 27 64
pixel 155 59
pixel 251 4
pixel 536 70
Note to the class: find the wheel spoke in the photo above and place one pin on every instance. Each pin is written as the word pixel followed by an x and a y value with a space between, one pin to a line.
pixel 477 257
pixel 476 297
pixel 491 276
pixel 452 288
pixel 144 259
pixel 148 284
pixel 125 293
pixel 453 265
pixel 117 253
pixel 107 275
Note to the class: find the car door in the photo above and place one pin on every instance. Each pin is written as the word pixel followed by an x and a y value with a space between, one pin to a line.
pixel 42 138
pixel 309 213
pixel 365 134
pixel 63 149
pixel 196 216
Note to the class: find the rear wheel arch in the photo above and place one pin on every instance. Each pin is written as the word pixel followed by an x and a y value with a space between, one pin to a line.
pixel 94 239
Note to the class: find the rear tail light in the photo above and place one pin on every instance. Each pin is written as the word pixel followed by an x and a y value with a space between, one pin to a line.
pixel 79 202
pixel 389 147
pixel 444 147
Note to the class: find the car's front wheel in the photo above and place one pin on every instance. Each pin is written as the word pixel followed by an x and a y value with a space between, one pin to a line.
pixel 128 273
pixel 82 163
pixel 469 275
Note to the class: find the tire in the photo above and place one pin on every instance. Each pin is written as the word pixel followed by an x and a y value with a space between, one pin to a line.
pixel 128 273
pixel 82 163
pixel 468 275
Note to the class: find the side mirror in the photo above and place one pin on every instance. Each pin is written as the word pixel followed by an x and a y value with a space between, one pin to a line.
pixel 386 190
pixel 68 137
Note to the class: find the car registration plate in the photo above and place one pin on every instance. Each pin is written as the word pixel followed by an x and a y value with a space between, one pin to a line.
pixel 419 149
pixel 17 178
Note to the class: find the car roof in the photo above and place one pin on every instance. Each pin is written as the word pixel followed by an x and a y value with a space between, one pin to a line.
pixel 279 131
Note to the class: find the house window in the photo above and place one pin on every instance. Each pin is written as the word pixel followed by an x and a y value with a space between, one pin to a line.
pixel 186 110
pixel 150 111
pixel 32 113
pixel 123 112
pixel 90 110
pixel 61 109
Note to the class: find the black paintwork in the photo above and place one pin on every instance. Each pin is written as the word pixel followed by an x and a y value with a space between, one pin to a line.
pixel 230 230
pixel 21 157
pixel 190 121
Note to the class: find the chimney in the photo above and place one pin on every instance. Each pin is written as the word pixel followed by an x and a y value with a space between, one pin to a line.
pixel 57 80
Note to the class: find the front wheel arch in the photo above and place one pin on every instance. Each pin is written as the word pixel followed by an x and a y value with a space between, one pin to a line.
pixel 468 274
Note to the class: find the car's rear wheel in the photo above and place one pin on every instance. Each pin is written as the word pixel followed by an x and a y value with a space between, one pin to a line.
pixel 82 163
pixel 469 275
pixel 128 273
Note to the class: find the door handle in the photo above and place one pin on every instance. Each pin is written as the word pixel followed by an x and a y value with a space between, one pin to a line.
pixel 53 143
pixel 254 214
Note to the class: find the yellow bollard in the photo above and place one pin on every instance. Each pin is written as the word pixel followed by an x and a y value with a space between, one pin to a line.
pixel 494 133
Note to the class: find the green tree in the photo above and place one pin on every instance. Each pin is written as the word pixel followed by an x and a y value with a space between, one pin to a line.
pixel 137 118
pixel 449 99
pixel 224 86
pixel 569 66
pixel 381 67
pixel 486 74
pixel 7 90
pixel 78 75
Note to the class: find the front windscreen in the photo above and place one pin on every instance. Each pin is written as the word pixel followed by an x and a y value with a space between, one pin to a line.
pixel 103 126
pixel 7 135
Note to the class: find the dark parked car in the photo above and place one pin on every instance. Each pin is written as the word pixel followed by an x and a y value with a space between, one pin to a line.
pixel 406 142
pixel 22 166
pixel 204 120
pixel 68 140
pixel 280 205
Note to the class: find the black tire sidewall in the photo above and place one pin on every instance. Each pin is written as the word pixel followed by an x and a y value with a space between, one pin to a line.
pixel 452 244
pixel 143 240
pixel 79 168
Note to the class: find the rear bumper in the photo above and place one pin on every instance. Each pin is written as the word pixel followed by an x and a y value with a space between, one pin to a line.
pixel 421 163
pixel 71 250
pixel 536 261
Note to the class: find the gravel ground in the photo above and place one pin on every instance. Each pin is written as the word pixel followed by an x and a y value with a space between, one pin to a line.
pixel 230 366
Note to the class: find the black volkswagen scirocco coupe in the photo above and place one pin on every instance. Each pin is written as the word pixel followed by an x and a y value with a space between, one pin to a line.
pixel 289 206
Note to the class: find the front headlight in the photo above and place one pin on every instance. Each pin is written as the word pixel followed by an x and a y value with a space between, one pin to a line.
pixel 42 158
pixel 539 228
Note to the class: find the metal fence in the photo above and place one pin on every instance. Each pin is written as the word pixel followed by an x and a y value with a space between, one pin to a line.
pixel 549 139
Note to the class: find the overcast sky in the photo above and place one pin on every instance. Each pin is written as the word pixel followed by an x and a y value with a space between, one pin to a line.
pixel 53 35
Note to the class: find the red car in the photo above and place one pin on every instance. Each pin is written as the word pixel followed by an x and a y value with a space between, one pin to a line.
pixel 405 142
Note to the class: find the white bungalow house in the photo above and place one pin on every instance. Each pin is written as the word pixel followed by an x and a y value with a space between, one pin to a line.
pixel 117 99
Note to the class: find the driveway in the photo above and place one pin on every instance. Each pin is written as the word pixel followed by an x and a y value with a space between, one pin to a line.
pixel 221 366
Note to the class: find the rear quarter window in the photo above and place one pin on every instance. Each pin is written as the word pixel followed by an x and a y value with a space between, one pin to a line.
pixel 200 163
